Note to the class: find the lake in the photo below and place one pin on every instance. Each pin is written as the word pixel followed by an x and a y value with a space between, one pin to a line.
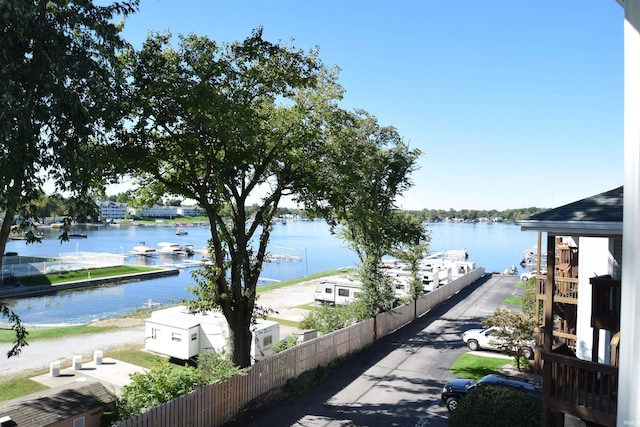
pixel 310 245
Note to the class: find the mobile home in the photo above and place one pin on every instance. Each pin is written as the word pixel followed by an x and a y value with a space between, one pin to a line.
pixel 337 291
pixel 177 333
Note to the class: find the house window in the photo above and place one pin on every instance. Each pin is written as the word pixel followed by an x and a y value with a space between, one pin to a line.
pixel 268 340
pixel 194 336
pixel 78 422
pixel 400 287
pixel 154 333
pixel 343 292
pixel 176 337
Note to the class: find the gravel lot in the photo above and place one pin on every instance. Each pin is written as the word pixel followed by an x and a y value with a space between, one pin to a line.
pixel 39 354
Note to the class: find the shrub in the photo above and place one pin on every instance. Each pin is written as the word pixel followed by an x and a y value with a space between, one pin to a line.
pixel 285 344
pixel 497 406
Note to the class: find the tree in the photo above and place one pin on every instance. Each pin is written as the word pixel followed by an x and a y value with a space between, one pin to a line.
pixel 412 253
pixel 60 90
pixel 219 123
pixel 514 332
pixel 368 168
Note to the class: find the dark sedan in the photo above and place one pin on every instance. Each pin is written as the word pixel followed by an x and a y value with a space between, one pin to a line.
pixel 456 389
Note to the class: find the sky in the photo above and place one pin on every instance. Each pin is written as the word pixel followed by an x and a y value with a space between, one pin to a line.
pixel 513 104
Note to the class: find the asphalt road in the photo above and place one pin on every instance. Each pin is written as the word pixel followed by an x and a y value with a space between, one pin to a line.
pixel 398 380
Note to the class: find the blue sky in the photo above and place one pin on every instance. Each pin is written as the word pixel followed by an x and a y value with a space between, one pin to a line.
pixel 513 103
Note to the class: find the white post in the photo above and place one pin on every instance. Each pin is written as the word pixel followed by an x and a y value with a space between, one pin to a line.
pixel 97 357
pixel 77 362
pixel 629 374
pixel 54 369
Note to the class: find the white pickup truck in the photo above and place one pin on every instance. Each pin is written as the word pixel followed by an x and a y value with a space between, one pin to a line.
pixel 485 339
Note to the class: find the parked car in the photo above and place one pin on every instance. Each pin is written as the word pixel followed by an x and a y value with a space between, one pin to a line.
pixel 485 339
pixel 454 390
pixel 530 274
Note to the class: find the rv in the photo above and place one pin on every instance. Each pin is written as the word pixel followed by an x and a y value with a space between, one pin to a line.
pixel 177 333
pixel 337 291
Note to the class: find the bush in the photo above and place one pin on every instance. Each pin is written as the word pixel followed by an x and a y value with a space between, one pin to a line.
pixel 328 319
pixel 285 344
pixel 497 406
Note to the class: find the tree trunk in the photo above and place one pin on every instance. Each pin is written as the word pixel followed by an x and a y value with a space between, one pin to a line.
pixel 5 229
pixel 240 338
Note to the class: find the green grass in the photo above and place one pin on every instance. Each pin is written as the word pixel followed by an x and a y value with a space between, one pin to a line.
pixel 472 366
pixel 7 336
pixel 19 386
pixel 520 285
pixel 513 301
pixel 135 356
pixel 72 276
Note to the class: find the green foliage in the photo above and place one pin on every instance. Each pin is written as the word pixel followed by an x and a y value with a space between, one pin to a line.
pixel 217 123
pixel 162 383
pixel 528 301
pixel 412 253
pixel 515 331
pixel 20 332
pixel 214 367
pixel 497 407
pixel 367 168
pixel 61 94
pixel 165 381
pixel 328 319
pixel 287 343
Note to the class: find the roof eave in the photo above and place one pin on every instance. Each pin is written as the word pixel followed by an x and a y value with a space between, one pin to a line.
pixel 581 228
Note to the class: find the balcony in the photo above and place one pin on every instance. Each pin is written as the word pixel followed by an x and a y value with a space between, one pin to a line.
pixel 565 289
pixel 583 389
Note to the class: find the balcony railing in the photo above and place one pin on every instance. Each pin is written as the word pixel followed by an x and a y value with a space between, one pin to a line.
pixel 584 389
pixel 565 289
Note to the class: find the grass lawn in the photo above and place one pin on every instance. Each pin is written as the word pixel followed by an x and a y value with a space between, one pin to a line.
pixel 8 336
pixel 472 366
pixel 72 276
pixel 513 301
pixel 135 355
pixel 19 386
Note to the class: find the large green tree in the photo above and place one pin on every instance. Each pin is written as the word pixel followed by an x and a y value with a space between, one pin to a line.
pixel 230 126
pixel 368 167
pixel 60 84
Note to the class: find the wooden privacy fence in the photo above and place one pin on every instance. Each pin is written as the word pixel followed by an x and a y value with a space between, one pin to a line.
pixel 216 404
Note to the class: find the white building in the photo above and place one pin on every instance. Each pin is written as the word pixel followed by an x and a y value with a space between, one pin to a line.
pixel 112 210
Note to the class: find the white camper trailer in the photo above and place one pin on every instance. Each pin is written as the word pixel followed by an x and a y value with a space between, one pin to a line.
pixel 177 333
pixel 337 291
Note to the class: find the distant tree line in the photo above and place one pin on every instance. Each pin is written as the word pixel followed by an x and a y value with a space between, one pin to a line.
pixel 436 215
pixel 54 205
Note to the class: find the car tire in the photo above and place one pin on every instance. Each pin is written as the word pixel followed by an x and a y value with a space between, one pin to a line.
pixel 452 404
pixel 527 352
pixel 473 345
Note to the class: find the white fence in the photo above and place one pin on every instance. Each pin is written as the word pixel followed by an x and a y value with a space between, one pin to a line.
pixel 216 404
pixel 21 266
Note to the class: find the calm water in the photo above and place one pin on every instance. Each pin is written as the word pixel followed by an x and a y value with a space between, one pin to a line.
pixel 492 246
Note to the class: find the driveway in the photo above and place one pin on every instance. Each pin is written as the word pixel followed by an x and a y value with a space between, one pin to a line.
pixel 397 381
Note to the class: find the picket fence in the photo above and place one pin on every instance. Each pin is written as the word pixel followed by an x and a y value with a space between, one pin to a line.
pixel 218 403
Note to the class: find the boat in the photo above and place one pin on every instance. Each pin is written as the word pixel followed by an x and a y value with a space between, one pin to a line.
pixel 181 232
pixel 77 236
pixel 174 249
pixel 143 249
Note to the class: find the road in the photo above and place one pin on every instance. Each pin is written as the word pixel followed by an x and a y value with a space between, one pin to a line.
pixel 398 380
